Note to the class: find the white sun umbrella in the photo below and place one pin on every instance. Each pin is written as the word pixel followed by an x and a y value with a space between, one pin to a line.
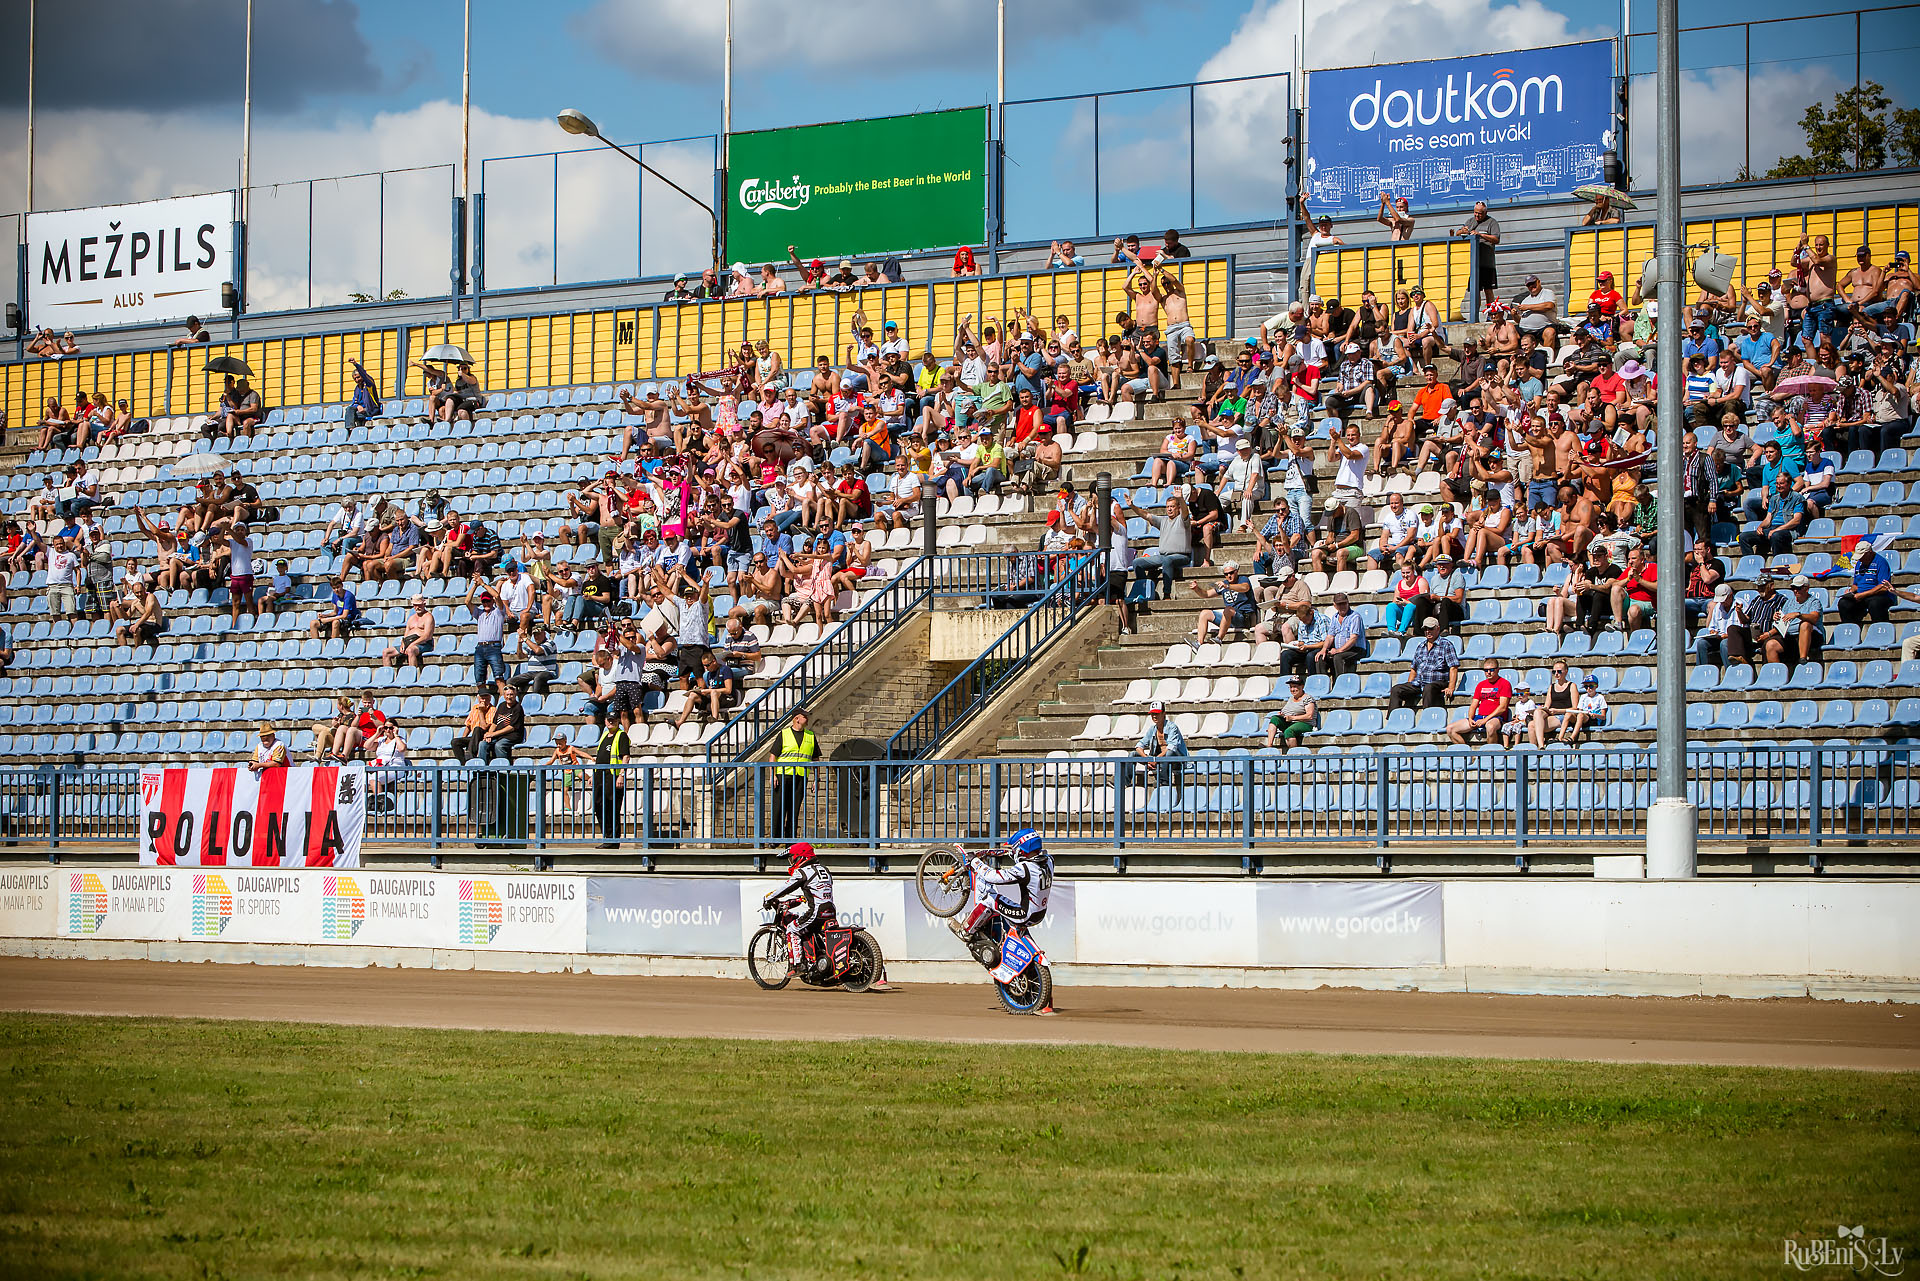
pixel 198 465
pixel 447 354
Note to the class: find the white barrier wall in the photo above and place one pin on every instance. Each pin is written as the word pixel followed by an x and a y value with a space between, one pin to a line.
pixel 1839 929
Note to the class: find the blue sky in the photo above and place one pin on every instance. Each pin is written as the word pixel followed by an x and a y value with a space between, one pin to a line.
pixel 344 87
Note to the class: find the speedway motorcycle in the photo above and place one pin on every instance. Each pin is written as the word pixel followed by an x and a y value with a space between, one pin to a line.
pixel 1009 954
pixel 853 957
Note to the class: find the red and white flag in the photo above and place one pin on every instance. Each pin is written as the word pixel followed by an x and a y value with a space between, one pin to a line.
pixel 225 815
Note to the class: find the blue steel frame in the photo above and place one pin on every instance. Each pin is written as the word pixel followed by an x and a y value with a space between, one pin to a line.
pixel 1795 797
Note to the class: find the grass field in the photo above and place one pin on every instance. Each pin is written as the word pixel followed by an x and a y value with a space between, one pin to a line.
pixel 134 1148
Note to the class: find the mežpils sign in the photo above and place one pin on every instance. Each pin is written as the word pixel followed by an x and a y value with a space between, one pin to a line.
pixel 129 264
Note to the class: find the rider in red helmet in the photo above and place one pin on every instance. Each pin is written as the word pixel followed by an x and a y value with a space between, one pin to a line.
pixel 805 871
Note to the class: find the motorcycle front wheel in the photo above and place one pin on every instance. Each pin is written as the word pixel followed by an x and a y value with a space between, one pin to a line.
pixel 767 958
pixel 1030 991
pixel 941 880
pixel 865 965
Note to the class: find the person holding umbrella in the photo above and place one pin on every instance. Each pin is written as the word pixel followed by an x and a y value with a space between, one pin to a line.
pixel 439 386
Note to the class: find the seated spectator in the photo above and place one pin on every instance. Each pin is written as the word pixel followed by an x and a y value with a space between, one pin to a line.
pixel 269 752
pixel 539 661
pixel 340 615
pixel 474 730
pixel 1163 746
pixel 366 403
pixel 1801 621
pixel 1632 593
pixel 338 737
pixel 465 398
pixel 1590 713
pixel 1787 516
pixel 1488 709
pixel 1173 551
pixel 1236 605
pixel 507 729
pixel 1279 544
pixel 1871 595
pixel 1446 596
pixel 1295 719
pixel 716 689
pixel 1346 644
pixel 1432 674
pixel 416 637
pixel 145 619
pixel 1408 590
pixel 1303 638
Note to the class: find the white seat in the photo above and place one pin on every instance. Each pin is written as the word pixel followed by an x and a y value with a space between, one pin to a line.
pixel 1207 655
pixel 807 634
pixel 1238 654
pixel 948 536
pixel 1167 690
pixel 1265 654
pixel 1195 689
pixel 660 733
pixel 1374 580
pixel 1427 482
pixel 1189 723
pixel 1127 727
pixel 1098 412
pixel 1317 582
pixel 986 505
pixel 1086 442
pixel 1177 656
pixel 1123 412
pixel 687 735
pixel 1399 483
pixel 1256 687
pixel 1097 727
pixel 1138 690
pixel 1225 690
pixel 675 704
pixel 975 536
pixel 1215 725
pixel 782 634
pixel 1345 581
pixel 958 508
pixel 898 540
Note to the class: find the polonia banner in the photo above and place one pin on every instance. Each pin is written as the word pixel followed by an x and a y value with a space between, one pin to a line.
pixel 219 816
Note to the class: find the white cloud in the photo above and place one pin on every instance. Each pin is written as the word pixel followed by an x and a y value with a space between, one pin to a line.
pixel 99 157
pixel 1718 110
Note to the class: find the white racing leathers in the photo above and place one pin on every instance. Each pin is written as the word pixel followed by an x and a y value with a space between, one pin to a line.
pixel 819 881
pixel 1018 894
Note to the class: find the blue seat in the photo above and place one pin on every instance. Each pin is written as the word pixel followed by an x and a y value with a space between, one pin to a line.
pixel 1431 720
pixel 1337 721
pixel 1628 717
pixel 1699 715
pixel 1838 713
pixel 1857 494
pixel 1892 460
pixel 1880 636
pixel 1772 676
pixel 1840 675
pixel 1730 716
pixel 1703 679
pixel 1767 715
pixel 1736 677
pixel 1844 636
pixel 1370 721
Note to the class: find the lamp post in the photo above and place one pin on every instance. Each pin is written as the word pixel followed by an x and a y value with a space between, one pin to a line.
pixel 577 123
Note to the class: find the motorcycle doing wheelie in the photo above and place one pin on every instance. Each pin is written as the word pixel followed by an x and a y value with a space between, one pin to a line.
pixel 852 957
pixel 947 878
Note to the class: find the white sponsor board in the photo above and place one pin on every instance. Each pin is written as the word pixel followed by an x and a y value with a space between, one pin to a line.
pixel 129 264
pixel 29 900
pixel 1166 923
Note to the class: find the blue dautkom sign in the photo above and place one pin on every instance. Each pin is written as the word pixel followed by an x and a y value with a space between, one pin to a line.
pixel 1497 127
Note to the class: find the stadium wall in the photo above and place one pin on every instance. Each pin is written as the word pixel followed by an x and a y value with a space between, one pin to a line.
pixel 1842 939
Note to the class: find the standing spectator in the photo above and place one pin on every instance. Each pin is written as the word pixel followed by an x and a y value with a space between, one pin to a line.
pixel 239 573
pixel 63 578
pixel 1433 673
pixel 1485 232
pixel 1491 698
pixel 1396 216
pixel 490 623
pixel 798 749
pixel 366 396
pixel 1322 237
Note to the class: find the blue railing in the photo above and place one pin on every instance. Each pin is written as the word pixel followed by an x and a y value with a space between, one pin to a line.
pixel 980 575
pixel 1065 585
pixel 1797 797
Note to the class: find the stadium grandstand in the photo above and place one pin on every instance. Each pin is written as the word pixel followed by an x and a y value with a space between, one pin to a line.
pixel 1368 557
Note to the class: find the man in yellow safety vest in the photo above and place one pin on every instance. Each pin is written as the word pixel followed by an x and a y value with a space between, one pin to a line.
pixel 798 748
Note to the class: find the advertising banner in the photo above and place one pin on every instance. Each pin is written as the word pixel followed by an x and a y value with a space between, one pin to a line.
pixel 129 264
pixel 665 916
pixel 1166 923
pixel 1497 127
pixel 858 188
pixel 1351 924
pixel 28 903
pixel 220 816
pixel 125 903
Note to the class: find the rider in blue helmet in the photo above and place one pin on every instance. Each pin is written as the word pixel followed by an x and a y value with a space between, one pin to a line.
pixel 1017 893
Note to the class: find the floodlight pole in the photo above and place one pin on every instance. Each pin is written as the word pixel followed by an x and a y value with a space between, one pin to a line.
pixel 1672 820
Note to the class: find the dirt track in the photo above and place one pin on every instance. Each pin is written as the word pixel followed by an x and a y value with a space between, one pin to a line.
pixel 1641 1029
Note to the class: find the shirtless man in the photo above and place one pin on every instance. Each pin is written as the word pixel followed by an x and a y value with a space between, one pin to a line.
pixel 1181 346
pixel 692 406
pixel 415 640
pixel 1141 287
pixel 1543 445
pixel 1863 283
pixel 652 413
pixel 1823 313
pixel 1897 290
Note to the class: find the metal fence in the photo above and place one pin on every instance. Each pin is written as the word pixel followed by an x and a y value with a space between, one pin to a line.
pixel 325 242
pixel 1796 796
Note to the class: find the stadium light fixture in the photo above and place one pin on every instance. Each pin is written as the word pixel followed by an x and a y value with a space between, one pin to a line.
pixel 581 125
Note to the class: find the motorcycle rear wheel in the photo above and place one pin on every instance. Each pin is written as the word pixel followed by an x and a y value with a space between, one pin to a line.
pixel 767 958
pixel 865 965
pixel 1030 991
pixel 940 879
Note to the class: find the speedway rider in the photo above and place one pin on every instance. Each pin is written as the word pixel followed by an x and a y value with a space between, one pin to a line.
pixel 1017 894
pixel 805 871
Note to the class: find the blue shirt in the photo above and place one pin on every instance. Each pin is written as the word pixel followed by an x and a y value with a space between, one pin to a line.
pixel 1705 347
pixel 1755 349
pixel 1782 508
pixel 1351 628
pixel 1870 572
pixel 345 603
pixel 1176 741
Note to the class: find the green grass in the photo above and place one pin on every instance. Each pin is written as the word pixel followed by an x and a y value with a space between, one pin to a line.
pixel 134 1148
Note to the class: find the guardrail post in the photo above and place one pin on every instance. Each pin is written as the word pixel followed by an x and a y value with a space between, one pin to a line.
pixel 1817 798
pixel 759 805
pixel 646 807
pixel 1380 801
pixel 929 534
pixel 433 808
pixel 457 272
pixel 479 273
pixel 539 784
pixel 54 799
pixel 1246 803
pixel 1120 771
pixel 1520 812
pixel 993 801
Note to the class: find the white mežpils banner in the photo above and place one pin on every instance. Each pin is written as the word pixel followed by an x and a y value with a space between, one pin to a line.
pixel 226 815
pixel 129 264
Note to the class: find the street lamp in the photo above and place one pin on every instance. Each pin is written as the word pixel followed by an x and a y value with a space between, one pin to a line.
pixel 578 123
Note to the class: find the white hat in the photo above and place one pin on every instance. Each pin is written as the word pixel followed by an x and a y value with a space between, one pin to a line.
pixel 1352 347
pixel 1156 706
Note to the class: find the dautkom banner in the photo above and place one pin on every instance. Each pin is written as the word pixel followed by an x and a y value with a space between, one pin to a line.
pixel 858 188
pixel 129 264
pixel 227 815
pixel 1496 127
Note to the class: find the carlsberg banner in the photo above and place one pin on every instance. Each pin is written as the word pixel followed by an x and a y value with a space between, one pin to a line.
pixel 859 188
pixel 1499 127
